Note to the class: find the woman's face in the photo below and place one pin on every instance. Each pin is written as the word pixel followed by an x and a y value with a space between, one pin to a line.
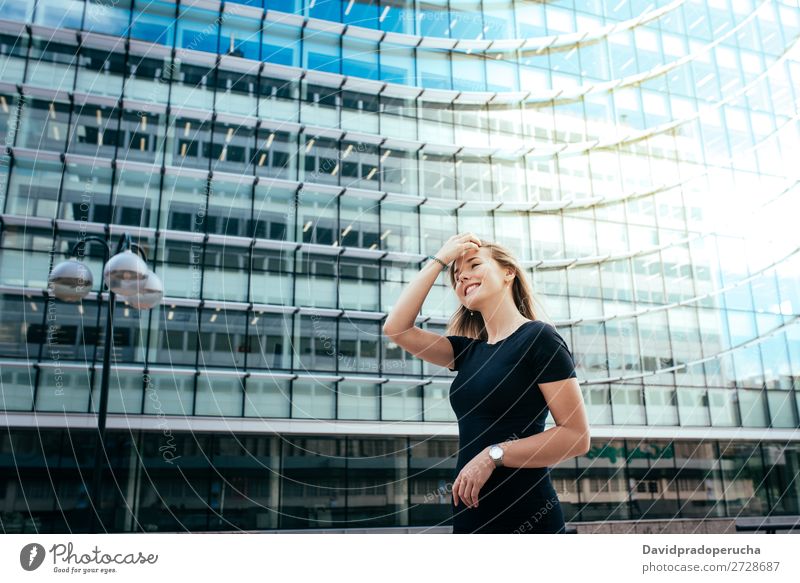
pixel 480 281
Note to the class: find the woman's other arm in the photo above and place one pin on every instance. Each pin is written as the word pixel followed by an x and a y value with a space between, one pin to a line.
pixel 569 438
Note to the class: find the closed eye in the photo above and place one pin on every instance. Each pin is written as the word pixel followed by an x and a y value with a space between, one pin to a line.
pixel 458 272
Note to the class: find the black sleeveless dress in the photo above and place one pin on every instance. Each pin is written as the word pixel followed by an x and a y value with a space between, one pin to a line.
pixel 496 397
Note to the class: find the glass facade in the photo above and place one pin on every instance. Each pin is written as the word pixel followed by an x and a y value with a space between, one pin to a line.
pixel 288 164
pixel 171 482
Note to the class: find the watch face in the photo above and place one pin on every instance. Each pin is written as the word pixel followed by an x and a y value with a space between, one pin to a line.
pixel 496 452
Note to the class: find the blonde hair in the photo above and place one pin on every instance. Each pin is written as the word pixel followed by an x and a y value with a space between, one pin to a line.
pixel 463 324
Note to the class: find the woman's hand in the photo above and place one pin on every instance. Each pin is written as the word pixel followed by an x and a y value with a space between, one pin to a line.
pixel 471 479
pixel 457 245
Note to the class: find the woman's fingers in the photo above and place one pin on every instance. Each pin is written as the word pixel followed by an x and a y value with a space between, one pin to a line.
pixel 464 492
pixel 460 489
pixel 465 237
pixel 474 494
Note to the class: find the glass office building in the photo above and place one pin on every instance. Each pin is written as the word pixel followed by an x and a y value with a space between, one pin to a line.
pixel 289 164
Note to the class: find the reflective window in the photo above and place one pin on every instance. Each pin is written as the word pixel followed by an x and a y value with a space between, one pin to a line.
pixel 218 395
pixel 104 18
pixel 197 29
pixel 223 339
pixel 135 196
pixel 439 175
pixel 313 399
pixel 360 57
pixel 33 188
pixel 85 193
pixel 604 489
pixel 652 489
pixel 377 481
pixel 225 273
pixel 359 165
pixel 33 246
pixel 229 209
pixel 271 277
pixel 237 92
pixel 270 348
pixel 320 105
pixel 174 335
pixel 12 57
pixel 184 203
pixel 432 18
pixel 168 393
pixel 321 162
pixel 358 346
pixel 742 472
pixel 267 397
pixel 398 118
pixel 278 99
pixel 276 154
pixel 232 148
pixel 271 219
pixel 19 383
pixel 17 11
pixel 125 391
pixel 397 16
pixel 193 85
pixel 59 13
pixel 434 69
pixel 100 72
pixel 315 349
pixel 321 50
pixel 317 219
pixel 469 72
pixel 154 22
pixel 281 44
pixel 781 461
pixel 431 466
pixel 313 481
pixel 44 125
pixel 240 37
pixel 316 280
pixel 22 320
pixel 360 112
pixel 401 228
pixel 361 13
pixel 148 78
pixel 142 135
pixel 358 401
pixel 189 142
pixel 398 64
pixel 181 269
pixel 95 131
pixel 401 402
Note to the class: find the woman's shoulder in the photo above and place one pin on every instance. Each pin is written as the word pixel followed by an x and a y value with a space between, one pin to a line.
pixel 539 332
pixel 539 327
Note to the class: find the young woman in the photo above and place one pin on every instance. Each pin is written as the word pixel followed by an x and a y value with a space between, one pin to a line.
pixel 511 368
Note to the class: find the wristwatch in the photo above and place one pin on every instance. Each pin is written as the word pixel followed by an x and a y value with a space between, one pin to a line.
pixel 496 453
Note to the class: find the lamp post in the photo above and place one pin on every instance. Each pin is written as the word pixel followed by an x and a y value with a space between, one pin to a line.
pixel 124 274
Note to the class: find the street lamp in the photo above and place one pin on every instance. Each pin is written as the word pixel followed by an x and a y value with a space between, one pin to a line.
pixel 127 275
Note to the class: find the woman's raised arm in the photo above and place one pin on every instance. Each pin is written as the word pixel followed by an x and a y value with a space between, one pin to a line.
pixel 400 323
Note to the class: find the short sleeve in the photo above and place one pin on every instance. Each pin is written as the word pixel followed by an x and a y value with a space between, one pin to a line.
pixel 550 356
pixel 460 345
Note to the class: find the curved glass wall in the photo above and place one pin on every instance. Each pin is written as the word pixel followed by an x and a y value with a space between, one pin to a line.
pixel 288 176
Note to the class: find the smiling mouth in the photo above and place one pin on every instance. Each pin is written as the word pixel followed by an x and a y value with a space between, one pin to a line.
pixel 471 289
